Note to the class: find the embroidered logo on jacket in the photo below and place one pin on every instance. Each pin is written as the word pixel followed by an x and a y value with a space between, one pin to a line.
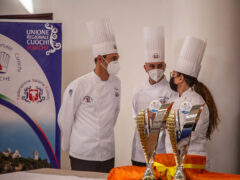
pixel 155 105
pixel 186 107
pixel 163 100
pixel 87 99
pixel 116 90
pixel 70 92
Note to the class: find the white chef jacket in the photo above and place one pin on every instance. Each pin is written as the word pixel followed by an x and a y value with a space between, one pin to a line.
pixel 87 117
pixel 198 139
pixel 142 97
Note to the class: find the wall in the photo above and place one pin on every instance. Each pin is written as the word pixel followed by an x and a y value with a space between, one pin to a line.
pixel 216 20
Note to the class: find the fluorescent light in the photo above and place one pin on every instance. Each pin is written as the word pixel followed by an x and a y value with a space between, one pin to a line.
pixel 28 4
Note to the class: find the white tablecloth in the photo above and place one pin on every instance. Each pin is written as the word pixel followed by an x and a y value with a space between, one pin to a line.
pixel 36 176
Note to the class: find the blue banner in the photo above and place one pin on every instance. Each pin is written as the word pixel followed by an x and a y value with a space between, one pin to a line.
pixel 30 95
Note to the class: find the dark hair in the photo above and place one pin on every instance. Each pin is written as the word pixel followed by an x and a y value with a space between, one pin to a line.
pixel 201 89
pixel 95 59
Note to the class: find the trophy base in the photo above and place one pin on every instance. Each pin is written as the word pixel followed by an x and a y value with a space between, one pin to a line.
pixel 148 174
pixel 148 178
pixel 179 178
pixel 179 174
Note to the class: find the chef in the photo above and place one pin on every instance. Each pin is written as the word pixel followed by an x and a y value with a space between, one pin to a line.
pixel 91 104
pixel 155 90
pixel 184 80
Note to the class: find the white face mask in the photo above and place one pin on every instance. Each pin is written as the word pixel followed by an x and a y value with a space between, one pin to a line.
pixel 156 74
pixel 113 67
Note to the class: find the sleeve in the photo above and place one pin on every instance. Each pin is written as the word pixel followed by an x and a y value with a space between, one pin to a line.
pixel 134 107
pixel 202 124
pixel 198 139
pixel 118 104
pixel 71 101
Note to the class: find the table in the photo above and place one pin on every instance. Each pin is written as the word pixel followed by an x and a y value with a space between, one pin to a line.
pixel 53 174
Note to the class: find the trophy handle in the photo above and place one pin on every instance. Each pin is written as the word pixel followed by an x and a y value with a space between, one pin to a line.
pixel 171 127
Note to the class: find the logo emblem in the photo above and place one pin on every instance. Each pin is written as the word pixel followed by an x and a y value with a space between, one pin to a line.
pixel 4 60
pixel 116 92
pixel 70 92
pixel 186 107
pixel 163 100
pixel 155 55
pixel 33 91
pixel 87 99
pixel 154 106
pixel 10 59
pixel 33 94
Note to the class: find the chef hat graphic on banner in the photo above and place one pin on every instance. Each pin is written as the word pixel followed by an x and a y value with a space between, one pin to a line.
pixel 4 60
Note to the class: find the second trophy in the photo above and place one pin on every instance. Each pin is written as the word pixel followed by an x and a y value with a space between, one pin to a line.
pixel 151 127
pixel 180 138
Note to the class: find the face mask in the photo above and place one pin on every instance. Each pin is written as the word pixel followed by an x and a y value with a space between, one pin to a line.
pixel 172 84
pixel 156 74
pixel 113 67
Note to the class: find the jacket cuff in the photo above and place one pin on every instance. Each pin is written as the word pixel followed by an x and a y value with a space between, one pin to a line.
pixel 65 143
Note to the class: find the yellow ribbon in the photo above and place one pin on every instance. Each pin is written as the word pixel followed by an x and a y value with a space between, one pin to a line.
pixel 172 170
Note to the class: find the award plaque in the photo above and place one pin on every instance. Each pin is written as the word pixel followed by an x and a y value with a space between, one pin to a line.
pixel 175 132
pixel 150 130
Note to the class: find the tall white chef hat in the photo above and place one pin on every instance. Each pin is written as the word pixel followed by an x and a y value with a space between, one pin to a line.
pixel 102 37
pixel 154 44
pixel 190 57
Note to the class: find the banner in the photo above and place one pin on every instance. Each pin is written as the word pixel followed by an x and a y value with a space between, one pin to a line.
pixel 30 95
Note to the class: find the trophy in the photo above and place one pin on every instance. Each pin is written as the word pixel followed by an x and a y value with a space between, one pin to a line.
pixel 150 129
pixel 177 135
